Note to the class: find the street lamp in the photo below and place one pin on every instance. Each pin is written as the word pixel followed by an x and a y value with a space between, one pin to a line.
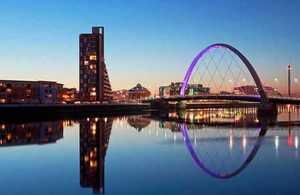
pixel 276 83
pixel 296 80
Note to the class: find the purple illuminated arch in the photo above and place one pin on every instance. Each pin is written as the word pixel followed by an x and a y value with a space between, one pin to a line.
pixel 264 98
pixel 201 164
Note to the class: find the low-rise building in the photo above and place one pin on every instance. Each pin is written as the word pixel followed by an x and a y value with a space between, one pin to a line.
pixel 30 92
pixel 138 92
pixel 174 89
pixel 253 90
pixel 197 89
pixel 120 95
pixel 70 95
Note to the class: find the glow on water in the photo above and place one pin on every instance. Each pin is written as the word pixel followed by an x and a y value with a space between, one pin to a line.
pixel 146 155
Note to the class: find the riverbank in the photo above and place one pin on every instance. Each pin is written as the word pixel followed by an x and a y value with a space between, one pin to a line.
pixel 16 112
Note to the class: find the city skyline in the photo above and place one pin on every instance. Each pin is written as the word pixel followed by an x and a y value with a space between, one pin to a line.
pixel 147 38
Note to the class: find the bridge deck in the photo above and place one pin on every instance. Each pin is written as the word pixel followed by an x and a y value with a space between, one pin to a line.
pixel 248 98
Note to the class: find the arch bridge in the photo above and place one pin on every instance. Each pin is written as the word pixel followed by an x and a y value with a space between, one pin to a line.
pixel 266 102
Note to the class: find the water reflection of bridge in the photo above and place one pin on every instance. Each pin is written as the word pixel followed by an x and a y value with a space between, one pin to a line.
pixel 234 146
pixel 237 138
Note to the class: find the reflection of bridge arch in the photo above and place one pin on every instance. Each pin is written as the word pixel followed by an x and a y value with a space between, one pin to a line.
pixel 250 68
pixel 203 166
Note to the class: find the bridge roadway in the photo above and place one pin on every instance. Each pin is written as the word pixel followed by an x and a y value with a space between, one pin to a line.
pixel 248 98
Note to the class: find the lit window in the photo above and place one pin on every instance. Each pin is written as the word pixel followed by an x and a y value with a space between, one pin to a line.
pixel 93 57
pixel 86 62
pixel 8 136
pixel 93 93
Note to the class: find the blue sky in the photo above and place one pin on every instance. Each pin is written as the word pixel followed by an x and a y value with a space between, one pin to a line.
pixel 147 41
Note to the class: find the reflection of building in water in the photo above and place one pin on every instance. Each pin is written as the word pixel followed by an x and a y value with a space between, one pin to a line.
pixel 231 138
pixel 138 122
pixel 94 138
pixel 217 115
pixel 173 126
pixel 30 133
pixel 68 123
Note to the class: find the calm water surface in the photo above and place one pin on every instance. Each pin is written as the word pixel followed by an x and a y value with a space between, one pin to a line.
pixel 222 152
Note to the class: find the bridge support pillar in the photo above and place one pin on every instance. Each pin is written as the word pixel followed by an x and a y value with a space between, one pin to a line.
pixel 267 110
pixel 160 105
pixel 180 105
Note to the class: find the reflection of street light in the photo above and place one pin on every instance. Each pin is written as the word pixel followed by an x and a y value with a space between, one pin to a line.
pixel 276 142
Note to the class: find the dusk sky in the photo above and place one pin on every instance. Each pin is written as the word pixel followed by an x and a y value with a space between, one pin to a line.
pixel 146 41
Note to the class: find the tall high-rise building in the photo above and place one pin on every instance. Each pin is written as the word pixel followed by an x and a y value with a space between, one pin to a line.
pixel 94 82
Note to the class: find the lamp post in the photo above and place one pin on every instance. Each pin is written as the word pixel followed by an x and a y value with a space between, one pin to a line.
pixel 289 79
pixel 276 83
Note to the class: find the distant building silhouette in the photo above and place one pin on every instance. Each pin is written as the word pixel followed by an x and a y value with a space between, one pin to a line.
pixel 94 138
pixel 45 92
pixel 94 82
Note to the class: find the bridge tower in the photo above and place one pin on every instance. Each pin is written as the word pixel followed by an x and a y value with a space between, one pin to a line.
pixel 265 107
